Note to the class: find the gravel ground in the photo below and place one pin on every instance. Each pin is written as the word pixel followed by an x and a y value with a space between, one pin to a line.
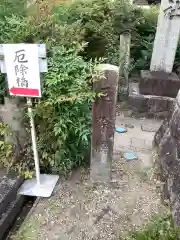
pixel 80 210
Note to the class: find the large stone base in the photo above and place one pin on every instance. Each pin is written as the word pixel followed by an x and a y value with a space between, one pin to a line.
pixel 159 84
pixel 167 142
pixel 148 105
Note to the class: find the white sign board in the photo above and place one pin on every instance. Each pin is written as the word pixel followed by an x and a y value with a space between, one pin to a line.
pixel 22 67
pixel 167 36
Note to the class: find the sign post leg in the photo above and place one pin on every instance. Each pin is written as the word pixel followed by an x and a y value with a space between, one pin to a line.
pixel 43 184
pixel 33 136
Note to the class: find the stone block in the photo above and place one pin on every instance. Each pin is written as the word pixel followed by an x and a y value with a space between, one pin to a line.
pixel 10 204
pixel 159 84
pixel 10 215
pixel 9 186
pixel 149 127
pixel 150 106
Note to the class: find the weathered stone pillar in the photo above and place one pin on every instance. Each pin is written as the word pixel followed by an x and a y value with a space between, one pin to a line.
pixel 103 124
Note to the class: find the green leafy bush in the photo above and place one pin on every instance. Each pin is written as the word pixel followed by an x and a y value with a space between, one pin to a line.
pixel 12 7
pixel 8 160
pixel 102 22
pixel 16 29
pixel 64 113
pixel 62 116
pixel 161 228
pixel 143 38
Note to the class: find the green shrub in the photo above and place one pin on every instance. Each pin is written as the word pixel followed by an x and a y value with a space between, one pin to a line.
pixel 161 228
pixel 12 7
pixel 143 39
pixel 102 22
pixel 63 116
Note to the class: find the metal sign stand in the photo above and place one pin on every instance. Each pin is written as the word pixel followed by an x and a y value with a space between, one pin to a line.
pixel 44 184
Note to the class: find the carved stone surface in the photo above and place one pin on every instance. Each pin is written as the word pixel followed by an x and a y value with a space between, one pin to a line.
pixel 104 123
pixel 159 84
pixel 167 141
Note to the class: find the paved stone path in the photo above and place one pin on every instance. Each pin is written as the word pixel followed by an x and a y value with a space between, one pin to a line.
pixel 138 139
pixel 79 210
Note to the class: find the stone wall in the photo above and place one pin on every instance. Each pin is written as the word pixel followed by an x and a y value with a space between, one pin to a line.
pixel 167 143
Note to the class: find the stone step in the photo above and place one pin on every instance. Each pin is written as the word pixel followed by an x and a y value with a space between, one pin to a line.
pixel 148 105
pixel 9 186
pixel 10 215
pixel 159 84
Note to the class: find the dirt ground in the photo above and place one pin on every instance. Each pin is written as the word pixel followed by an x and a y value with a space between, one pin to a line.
pixel 81 210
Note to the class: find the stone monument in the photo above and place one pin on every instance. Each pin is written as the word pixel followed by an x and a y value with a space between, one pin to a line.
pixel 103 123
pixel 159 86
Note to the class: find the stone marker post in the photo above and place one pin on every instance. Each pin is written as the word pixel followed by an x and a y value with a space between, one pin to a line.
pixel 103 124
pixel 124 61
pixel 160 80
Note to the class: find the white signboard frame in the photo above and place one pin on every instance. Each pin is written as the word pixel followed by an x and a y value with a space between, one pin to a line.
pixel 21 63
pixel 22 66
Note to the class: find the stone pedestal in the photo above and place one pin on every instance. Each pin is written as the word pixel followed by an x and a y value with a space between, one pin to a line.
pixel 154 95
pixel 159 84
pixel 150 106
